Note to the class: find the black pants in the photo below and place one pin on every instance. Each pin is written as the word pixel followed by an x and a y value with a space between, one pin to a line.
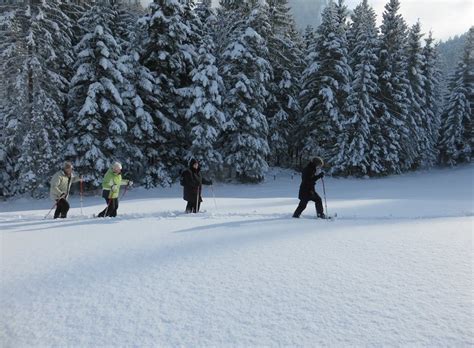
pixel 191 207
pixel 112 205
pixel 304 202
pixel 62 207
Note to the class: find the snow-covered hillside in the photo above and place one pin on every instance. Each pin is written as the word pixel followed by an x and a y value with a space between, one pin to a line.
pixel 395 268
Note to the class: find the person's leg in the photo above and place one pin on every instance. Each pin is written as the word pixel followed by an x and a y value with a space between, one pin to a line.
pixel 115 203
pixel 102 213
pixel 111 209
pixel 64 207
pixel 57 212
pixel 318 202
pixel 194 206
pixel 189 207
pixel 300 208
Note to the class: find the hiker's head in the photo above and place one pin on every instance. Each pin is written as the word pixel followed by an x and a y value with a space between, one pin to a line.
pixel 117 167
pixel 194 164
pixel 317 162
pixel 67 168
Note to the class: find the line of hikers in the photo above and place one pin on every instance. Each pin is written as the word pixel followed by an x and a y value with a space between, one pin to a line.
pixel 111 183
pixel 191 180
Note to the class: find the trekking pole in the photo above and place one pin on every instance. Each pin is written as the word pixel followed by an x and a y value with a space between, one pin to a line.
pixel 324 192
pixel 49 212
pixel 81 189
pixel 108 203
pixel 124 192
pixel 214 196
pixel 197 199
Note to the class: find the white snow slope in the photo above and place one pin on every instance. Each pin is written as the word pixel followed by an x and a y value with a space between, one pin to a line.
pixel 395 268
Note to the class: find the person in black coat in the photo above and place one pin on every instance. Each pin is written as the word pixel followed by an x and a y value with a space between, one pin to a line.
pixel 307 192
pixel 192 181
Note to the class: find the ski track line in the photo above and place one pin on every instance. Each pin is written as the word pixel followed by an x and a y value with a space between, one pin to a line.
pixel 10 221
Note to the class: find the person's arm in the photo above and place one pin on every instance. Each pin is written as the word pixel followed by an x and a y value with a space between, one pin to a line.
pixel 108 181
pixel 125 182
pixel 206 182
pixel 55 191
pixel 189 180
pixel 319 176
pixel 76 178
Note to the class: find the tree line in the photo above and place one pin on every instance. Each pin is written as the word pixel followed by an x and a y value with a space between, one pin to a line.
pixel 238 88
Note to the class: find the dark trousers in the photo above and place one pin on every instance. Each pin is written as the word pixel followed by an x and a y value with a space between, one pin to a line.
pixel 62 207
pixel 112 205
pixel 191 207
pixel 304 202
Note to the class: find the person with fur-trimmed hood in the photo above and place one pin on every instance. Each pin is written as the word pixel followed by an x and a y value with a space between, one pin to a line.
pixel 307 192
pixel 192 181
pixel 60 185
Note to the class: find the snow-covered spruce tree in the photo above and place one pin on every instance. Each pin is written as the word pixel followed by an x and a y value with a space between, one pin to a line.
pixel 450 52
pixel 123 24
pixel 35 55
pixel 74 11
pixel 456 141
pixel 96 123
pixel 433 98
pixel 13 94
pixel 205 12
pixel 325 87
pixel 286 59
pixel 417 118
pixel 188 49
pixel 228 19
pixel 138 90
pixel 163 56
pixel 47 45
pixel 246 73
pixel 468 59
pixel 204 117
pixel 62 27
pixel 309 37
pixel 361 131
pixel 310 82
pixel 397 149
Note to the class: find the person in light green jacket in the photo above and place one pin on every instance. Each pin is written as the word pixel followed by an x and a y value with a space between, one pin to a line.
pixel 111 189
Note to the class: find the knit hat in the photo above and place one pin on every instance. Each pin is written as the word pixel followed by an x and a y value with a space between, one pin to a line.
pixel 67 165
pixel 117 165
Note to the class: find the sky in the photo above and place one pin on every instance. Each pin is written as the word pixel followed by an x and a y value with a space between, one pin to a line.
pixel 446 18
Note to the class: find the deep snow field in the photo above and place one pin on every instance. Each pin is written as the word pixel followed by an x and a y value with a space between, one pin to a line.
pixel 394 269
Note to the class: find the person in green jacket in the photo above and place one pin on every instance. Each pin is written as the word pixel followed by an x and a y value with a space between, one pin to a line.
pixel 60 185
pixel 111 189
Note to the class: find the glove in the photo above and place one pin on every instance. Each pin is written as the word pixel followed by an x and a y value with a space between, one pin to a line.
pixel 320 176
pixel 114 188
pixel 130 183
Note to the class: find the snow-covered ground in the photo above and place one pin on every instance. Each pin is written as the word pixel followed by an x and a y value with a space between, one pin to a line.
pixel 395 268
